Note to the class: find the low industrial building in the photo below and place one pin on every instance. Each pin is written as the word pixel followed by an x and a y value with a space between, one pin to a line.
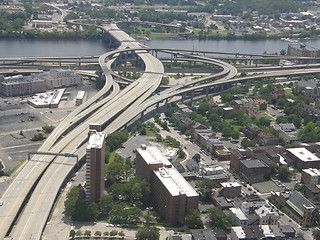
pixel 47 100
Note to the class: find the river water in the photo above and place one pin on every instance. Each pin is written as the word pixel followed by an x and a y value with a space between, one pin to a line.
pixel 43 48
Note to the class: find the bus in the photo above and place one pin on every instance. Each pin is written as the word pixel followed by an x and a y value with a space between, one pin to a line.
pixel 80 97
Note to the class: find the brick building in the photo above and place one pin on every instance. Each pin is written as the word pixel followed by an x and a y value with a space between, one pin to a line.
pixel 302 158
pixel 95 160
pixel 171 194
pixel 310 176
pixel 254 170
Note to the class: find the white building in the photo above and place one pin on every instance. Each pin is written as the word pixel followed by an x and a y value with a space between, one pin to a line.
pixel 249 207
pixel 211 170
pixel 61 78
pixel 267 216
pixel 239 217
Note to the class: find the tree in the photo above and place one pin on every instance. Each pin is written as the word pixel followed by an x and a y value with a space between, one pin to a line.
pixel 124 215
pixel 116 171
pixel 218 219
pixel 97 233
pixel 72 234
pixel 75 204
pixel 196 157
pixel 193 219
pixel 283 172
pixel 205 187
pixel 113 233
pixel 247 143
pixel 158 138
pixel 148 233
pixel 92 212
pixel 47 128
pixel 105 204
pixel 116 139
pixel 316 234
pixel 87 233
pixel 38 137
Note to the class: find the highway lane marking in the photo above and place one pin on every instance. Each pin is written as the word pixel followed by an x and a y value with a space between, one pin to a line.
pixel 24 145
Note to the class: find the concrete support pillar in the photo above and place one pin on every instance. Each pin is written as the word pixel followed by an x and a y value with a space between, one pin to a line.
pixel 192 95
pixel 142 116
pixel 183 97
pixel 207 91
pixel 157 107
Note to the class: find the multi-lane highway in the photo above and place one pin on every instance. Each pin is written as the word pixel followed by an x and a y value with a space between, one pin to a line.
pixel 43 176
pixel 33 217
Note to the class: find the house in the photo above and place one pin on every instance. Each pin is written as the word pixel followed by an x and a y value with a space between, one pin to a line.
pixel 227 112
pixel 256 232
pixel 286 131
pixel 192 165
pixel 251 131
pixel 261 104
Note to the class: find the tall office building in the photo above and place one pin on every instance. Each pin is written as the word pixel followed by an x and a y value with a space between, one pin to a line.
pixel 95 160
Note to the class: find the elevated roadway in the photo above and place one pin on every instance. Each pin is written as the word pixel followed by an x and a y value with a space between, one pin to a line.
pixel 111 108
pixel 33 218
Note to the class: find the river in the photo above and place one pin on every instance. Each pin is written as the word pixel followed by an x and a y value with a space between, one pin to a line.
pixel 44 48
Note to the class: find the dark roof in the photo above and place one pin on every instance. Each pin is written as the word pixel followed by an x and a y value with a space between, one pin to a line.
pixel 253 232
pixel 207 234
pixel 223 202
pixel 236 153
pixel 313 188
pixel 299 202
pixel 287 229
pixel 179 167
pixel 253 164
pixel 261 156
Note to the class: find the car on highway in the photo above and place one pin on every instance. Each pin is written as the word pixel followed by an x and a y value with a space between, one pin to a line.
pixel 1 203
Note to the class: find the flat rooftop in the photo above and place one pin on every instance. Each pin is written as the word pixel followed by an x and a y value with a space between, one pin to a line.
pixel 303 154
pixel 152 155
pixel 312 171
pixel 174 182
pixel 230 184
pixel 96 139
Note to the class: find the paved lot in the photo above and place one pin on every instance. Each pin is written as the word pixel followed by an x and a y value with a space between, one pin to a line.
pixel 266 187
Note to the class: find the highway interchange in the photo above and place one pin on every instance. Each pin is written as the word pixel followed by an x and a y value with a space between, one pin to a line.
pixel 42 177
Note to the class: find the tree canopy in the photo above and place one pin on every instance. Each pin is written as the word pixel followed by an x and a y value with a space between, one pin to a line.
pixel 148 233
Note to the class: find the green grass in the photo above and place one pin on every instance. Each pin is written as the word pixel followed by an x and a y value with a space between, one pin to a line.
pixel 234 124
